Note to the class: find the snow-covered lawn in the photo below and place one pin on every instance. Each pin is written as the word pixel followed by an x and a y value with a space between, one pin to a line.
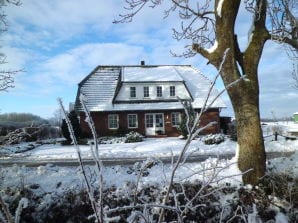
pixel 150 147
pixel 49 181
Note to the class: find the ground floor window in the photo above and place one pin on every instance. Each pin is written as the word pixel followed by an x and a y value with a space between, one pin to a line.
pixel 149 120
pixel 175 119
pixel 113 121
pixel 132 120
pixel 158 120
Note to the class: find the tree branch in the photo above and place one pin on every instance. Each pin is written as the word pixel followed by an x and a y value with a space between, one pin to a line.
pixel 284 23
pixel 197 48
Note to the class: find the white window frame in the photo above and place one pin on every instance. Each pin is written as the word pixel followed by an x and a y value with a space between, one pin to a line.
pixel 175 116
pixel 146 91
pixel 136 120
pixel 133 92
pixel 111 117
pixel 172 90
pixel 159 92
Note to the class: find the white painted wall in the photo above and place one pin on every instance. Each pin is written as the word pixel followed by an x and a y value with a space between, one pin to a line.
pixel 124 93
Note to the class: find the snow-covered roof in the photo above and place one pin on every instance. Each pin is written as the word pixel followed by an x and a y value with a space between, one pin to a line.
pixel 198 86
pixel 101 86
pixel 150 73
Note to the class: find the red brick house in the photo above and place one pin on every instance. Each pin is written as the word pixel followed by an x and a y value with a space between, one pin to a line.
pixel 144 99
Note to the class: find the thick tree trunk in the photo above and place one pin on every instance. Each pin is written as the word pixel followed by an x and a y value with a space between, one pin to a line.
pixel 245 94
pixel 252 156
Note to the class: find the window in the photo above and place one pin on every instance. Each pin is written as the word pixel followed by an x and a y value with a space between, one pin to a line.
pixel 175 118
pixel 159 91
pixel 172 91
pixel 132 120
pixel 149 120
pixel 113 121
pixel 132 92
pixel 159 120
pixel 146 92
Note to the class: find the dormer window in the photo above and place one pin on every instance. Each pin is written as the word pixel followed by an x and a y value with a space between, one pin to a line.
pixel 132 92
pixel 146 92
pixel 172 91
pixel 159 91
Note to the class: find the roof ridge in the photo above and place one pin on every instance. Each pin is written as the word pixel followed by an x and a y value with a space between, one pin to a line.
pixel 178 73
pixel 201 73
pixel 152 65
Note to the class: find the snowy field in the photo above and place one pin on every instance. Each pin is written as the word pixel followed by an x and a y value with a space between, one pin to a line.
pixel 150 148
pixel 50 181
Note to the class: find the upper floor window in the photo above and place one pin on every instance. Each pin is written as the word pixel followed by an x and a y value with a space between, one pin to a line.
pixel 146 92
pixel 113 121
pixel 132 120
pixel 132 92
pixel 159 91
pixel 175 119
pixel 172 91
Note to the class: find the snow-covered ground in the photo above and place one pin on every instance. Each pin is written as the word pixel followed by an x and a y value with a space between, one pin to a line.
pixel 150 147
pixel 53 179
pixel 49 176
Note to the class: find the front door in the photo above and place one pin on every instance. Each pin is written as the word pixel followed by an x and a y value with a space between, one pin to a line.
pixel 154 123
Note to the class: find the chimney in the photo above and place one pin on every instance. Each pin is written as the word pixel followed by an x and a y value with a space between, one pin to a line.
pixel 142 62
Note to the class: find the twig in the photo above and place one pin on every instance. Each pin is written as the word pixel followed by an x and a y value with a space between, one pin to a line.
pixel 95 155
pixel 74 140
pixel 6 211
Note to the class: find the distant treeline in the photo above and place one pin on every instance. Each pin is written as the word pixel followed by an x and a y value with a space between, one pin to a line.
pixel 19 120
pixel 11 122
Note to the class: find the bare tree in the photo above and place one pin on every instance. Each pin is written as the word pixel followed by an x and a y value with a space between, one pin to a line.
pixel 209 25
pixel 6 76
pixel 6 79
pixel 56 118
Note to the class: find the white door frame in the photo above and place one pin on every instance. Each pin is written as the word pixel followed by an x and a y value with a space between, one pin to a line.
pixel 155 124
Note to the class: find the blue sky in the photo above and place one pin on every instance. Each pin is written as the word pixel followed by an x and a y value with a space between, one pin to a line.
pixel 58 43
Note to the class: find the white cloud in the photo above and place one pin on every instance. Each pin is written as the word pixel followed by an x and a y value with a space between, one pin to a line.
pixel 60 42
pixel 15 58
pixel 47 23
pixel 71 66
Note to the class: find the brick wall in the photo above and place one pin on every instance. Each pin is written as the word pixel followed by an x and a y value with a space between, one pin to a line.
pixel 101 122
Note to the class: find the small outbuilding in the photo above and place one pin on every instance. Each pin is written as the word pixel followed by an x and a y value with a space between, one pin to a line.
pixel 295 116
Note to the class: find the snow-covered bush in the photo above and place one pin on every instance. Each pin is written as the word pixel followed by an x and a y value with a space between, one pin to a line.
pixel 133 137
pixel 187 121
pixel 213 139
pixel 75 124
pixel 141 168
pixel 110 140
pixel 223 203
